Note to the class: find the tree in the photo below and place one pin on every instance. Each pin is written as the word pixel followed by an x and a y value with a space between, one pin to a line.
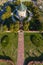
pixel 36 13
pixel 7 14
pixel 35 25
pixel 28 4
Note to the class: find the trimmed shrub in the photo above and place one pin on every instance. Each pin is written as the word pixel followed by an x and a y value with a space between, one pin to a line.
pixel 36 40
pixel 4 41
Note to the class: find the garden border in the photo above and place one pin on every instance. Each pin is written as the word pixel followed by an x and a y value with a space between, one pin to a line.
pixel 9 61
pixel 35 62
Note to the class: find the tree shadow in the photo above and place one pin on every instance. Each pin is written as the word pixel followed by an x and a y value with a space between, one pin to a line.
pixel 27 60
pixel 42 34
pixel 31 36
pixel 35 25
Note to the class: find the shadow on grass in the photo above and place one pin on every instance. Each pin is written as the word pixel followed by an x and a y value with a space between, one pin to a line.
pixel 27 60
pixel 4 57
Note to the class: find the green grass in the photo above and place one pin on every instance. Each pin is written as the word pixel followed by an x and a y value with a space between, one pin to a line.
pixel 11 49
pixel 30 49
pixel 4 63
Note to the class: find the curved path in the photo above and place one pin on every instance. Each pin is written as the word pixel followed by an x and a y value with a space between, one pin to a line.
pixel 33 31
pixel 20 58
pixel 9 61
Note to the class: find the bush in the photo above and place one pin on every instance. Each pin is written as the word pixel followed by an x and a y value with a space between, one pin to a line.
pixel 36 40
pixel 4 41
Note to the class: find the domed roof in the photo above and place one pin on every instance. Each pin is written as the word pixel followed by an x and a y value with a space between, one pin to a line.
pixel 22 7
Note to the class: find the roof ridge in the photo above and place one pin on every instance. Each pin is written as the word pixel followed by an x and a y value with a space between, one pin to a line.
pixel 22 7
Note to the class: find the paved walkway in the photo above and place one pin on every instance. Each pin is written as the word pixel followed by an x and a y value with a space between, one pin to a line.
pixel 33 31
pixel 20 58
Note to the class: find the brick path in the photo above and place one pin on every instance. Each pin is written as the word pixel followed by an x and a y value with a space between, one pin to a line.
pixel 20 58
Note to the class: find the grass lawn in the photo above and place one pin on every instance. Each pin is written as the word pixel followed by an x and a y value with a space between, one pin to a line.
pixel 4 63
pixel 31 51
pixel 10 51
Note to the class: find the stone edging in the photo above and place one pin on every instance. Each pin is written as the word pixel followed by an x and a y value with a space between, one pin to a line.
pixel 35 62
pixel 9 61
